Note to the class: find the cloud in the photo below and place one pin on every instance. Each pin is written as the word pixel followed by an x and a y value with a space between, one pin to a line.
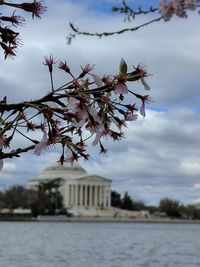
pixel 158 153
pixel 196 185
pixel 159 156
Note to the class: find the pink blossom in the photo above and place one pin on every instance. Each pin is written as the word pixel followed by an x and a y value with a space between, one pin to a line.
pixel 36 8
pixel 120 88
pixel 98 136
pixel 168 8
pixel 145 99
pixel 142 72
pixel 146 86
pixel 93 112
pixel 79 112
pixel 95 122
pixel 116 136
pixel 64 66
pixel 71 158
pixel 105 99
pixel 9 51
pixel 107 79
pixel 15 20
pixel 97 79
pixel 87 68
pixel 73 105
pixel 129 116
pixel 49 61
pixel 42 145
pixel 55 128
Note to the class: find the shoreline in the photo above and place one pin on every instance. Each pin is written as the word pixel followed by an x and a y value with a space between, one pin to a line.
pixel 98 220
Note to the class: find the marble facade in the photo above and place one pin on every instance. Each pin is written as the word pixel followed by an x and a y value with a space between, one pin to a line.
pixel 79 190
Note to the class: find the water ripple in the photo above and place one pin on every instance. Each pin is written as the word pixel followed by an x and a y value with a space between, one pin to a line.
pixel 99 245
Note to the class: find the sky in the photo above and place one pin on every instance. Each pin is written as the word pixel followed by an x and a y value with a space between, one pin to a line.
pixel 159 156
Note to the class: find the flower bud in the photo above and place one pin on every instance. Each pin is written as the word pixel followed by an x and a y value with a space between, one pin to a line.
pixel 123 66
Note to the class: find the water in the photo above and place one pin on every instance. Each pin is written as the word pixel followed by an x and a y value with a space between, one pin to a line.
pixel 99 245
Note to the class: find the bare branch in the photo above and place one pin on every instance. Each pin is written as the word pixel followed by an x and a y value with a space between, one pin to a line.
pixel 78 32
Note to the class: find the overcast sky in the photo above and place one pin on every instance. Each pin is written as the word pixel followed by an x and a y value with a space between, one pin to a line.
pixel 160 156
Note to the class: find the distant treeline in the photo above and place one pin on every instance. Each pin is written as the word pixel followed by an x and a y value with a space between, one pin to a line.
pixel 41 201
pixel 172 208
pixel 48 200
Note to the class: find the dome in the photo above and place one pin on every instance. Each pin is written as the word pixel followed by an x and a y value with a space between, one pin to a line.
pixel 65 167
pixel 65 171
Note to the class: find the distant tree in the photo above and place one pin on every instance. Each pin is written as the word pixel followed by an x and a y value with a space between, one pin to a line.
pixel 47 186
pixel 46 200
pixel 49 197
pixel 170 207
pixel 17 196
pixel 138 205
pixel 115 199
pixel 127 202
pixel 151 208
pixel 193 212
pixel 41 204
pixel 2 204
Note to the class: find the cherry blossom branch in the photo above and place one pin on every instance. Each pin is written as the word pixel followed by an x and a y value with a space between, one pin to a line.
pixel 16 153
pixel 131 13
pixel 87 106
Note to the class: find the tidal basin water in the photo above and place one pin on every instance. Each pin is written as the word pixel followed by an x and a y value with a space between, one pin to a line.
pixel 99 245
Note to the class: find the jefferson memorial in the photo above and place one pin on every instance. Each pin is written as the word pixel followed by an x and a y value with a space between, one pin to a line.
pixel 80 191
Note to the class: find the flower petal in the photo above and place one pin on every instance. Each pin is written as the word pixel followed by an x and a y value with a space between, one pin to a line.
pixel 146 86
pixel 97 80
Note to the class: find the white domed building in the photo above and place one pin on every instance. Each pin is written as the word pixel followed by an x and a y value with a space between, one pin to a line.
pixel 82 193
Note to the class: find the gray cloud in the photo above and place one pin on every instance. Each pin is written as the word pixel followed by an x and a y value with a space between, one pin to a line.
pixel 159 152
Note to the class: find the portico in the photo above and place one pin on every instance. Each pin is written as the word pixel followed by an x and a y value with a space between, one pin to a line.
pixel 85 194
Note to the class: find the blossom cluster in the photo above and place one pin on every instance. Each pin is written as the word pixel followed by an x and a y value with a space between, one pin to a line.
pixel 168 8
pixel 88 106
pixel 9 38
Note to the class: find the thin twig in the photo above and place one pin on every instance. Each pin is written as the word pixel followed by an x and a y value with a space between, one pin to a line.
pixel 76 30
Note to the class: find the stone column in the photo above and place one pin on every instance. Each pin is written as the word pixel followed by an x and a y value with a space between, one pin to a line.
pixel 81 195
pixel 109 197
pixel 76 195
pixel 71 195
pixel 100 196
pixel 86 196
pixel 104 196
pixel 95 195
pixel 68 195
pixel 90 197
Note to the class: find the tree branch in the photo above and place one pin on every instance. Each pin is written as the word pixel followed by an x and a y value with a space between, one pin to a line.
pixel 78 32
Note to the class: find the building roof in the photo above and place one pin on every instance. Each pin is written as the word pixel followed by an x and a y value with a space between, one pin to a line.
pixel 65 167
pixel 67 172
pixel 94 178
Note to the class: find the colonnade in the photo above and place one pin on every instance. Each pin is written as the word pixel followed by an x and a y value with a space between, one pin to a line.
pixel 87 195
